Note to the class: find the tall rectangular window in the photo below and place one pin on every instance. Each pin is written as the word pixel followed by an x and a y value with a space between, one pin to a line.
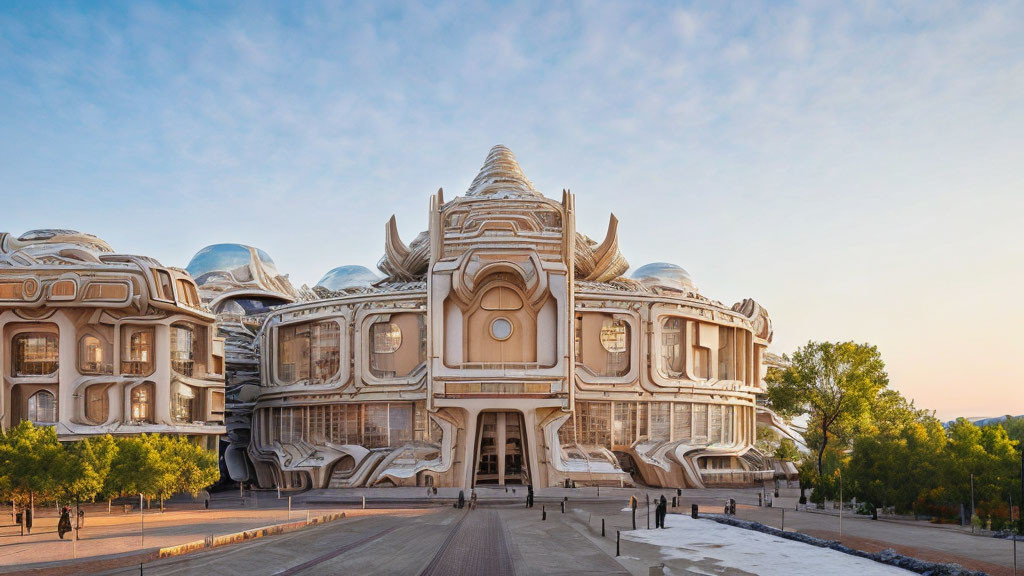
pixel 700 423
pixel 137 350
pixel 660 421
pixel 673 357
pixel 681 425
pixel 182 350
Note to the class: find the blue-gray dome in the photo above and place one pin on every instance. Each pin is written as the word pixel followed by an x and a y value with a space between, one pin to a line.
pixel 665 275
pixel 347 277
pixel 225 258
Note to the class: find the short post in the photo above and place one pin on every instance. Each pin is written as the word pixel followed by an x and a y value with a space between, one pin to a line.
pixel 563 506
pixel 648 496
pixel 364 501
pixel 693 511
pixel 543 513
pixel 289 508
pixel 602 527
pixel 618 538
pixel 783 519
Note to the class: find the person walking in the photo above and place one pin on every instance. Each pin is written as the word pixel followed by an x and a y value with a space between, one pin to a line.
pixel 64 524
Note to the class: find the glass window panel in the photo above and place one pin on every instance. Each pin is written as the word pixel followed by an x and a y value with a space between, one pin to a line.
pixel 137 350
pixel 387 337
pixel 183 403
pixel 681 425
pixel 673 363
pixel 325 351
pixel 613 336
pixel 293 353
pixel 714 423
pixel 35 354
pixel 42 407
pixel 400 423
pixel 660 420
pixel 182 350
pixel 94 356
pixel 142 403
pixel 375 425
pixel 700 423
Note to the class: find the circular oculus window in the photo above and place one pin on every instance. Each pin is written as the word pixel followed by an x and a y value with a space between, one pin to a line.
pixel 501 329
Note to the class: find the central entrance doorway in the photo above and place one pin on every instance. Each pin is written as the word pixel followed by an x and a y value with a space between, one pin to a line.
pixel 501 449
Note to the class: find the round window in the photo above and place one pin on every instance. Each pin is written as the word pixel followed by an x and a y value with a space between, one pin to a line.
pixel 501 329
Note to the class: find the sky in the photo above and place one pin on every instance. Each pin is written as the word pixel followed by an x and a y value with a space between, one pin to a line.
pixel 857 168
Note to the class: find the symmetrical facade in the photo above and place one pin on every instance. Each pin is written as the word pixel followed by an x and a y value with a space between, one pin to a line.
pixel 94 342
pixel 503 346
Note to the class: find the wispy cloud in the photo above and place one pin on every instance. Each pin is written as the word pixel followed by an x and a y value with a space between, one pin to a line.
pixel 855 167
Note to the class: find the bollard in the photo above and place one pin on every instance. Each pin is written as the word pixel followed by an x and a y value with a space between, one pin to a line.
pixel 364 501
pixel 618 537
pixel 563 506
pixel 543 513
pixel 693 511
pixel 673 501
pixel 602 527
pixel 783 519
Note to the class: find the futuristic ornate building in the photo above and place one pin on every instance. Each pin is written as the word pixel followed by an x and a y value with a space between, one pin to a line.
pixel 95 342
pixel 503 346
pixel 240 283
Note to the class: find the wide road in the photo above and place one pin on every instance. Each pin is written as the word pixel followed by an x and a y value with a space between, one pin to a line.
pixel 497 541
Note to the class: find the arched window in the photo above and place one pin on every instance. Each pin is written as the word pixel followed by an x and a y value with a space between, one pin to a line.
pixel 42 407
pixel 142 403
pixel 97 404
pixel 94 356
pixel 35 354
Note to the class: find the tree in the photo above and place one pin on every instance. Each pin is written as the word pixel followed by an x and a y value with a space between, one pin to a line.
pixel 135 468
pixel 31 462
pixel 836 382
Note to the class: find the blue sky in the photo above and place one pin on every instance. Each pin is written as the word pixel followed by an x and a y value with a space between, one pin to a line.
pixel 857 168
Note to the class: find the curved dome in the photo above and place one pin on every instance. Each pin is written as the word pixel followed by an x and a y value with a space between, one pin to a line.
pixel 346 277
pixel 665 275
pixel 226 257
pixel 61 236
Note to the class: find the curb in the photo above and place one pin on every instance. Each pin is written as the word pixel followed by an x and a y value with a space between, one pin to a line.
pixel 225 539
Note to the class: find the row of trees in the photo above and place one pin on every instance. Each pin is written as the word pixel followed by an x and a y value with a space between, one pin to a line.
pixel 883 449
pixel 34 466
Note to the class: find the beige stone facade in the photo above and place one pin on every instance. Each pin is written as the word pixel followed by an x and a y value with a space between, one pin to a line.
pixel 504 347
pixel 94 342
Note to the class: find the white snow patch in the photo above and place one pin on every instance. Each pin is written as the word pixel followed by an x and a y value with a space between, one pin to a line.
pixel 750 551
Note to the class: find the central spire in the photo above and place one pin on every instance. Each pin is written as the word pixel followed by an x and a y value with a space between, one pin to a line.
pixel 501 175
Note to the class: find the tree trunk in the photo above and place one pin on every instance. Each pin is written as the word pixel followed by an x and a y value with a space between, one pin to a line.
pixel 821 451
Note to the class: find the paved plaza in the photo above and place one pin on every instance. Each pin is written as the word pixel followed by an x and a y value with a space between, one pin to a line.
pixel 404 532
